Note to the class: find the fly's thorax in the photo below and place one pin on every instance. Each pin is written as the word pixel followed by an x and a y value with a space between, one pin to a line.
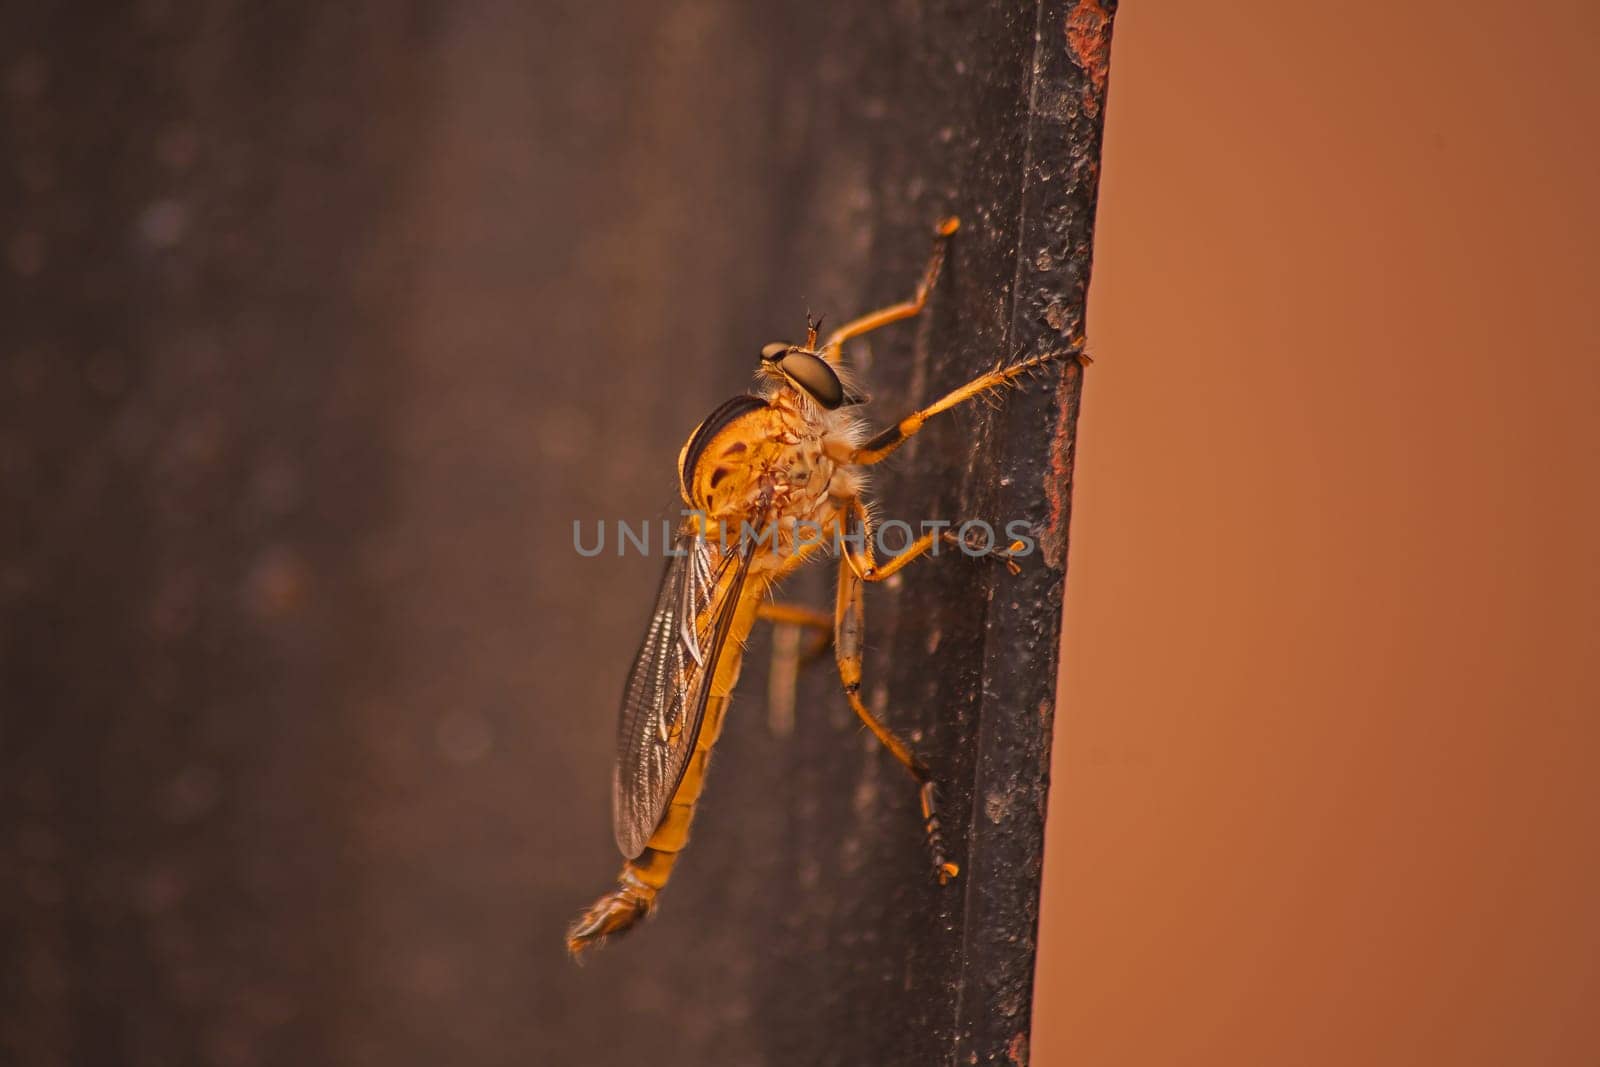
pixel 726 464
pixel 719 448
pixel 755 460
pixel 775 469
pixel 814 469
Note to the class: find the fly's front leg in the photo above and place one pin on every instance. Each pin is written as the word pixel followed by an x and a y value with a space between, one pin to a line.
pixel 884 316
pixel 885 443
pixel 849 618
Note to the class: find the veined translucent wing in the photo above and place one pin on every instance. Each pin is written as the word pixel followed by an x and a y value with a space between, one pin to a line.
pixel 665 698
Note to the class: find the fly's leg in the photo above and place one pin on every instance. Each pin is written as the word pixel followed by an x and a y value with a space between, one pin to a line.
pixel 859 555
pixel 783 680
pixel 884 444
pixel 798 615
pixel 884 316
pixel 1006 556
pixel 787 659
pixel 849 617
pixel 859 566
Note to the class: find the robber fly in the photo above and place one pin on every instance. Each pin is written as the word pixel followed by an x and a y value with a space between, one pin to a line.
pixel 759 469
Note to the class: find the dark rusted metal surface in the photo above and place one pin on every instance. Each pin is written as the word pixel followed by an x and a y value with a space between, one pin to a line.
pixel 318 327
pixel 892 968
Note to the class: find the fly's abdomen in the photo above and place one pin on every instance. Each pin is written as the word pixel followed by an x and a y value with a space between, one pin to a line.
pixel 646 875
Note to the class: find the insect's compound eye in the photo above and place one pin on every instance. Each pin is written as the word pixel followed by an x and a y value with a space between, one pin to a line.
pixel 773 351
pixel 814 376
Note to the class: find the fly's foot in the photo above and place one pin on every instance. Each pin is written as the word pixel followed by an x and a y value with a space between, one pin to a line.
pixel 943 869
pixel 972 546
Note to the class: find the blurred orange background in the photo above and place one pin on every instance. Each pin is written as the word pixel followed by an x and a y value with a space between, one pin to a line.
pixel 1323 779
pixel 320 324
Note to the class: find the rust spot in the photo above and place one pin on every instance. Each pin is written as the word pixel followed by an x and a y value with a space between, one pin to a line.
pixel 1017 1050
pixel 1041 785
pixel 1059 487
pixel 717 475
pixel 1089 38
pixel 733 449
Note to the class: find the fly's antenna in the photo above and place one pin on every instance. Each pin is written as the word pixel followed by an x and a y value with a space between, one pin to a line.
pixel 813 328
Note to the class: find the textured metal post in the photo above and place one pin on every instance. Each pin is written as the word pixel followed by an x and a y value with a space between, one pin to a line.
pixel 996 115
pixel 1060 179
pixel 320 327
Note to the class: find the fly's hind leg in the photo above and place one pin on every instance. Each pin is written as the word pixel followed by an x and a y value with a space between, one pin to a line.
pixel 895 312
pixel 792 618
pixel 787 658
pixel 800 617
pixel 849 618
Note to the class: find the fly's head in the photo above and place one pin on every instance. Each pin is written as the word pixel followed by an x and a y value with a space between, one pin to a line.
pixel 802 372
pixel 805 375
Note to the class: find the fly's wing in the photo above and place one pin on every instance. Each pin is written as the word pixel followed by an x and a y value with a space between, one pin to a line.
pixel 667 689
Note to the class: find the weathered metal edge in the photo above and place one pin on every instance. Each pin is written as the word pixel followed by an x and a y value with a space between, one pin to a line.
pixel 1060 186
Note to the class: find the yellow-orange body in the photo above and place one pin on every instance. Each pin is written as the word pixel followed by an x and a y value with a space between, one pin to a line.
pixel 769 481
pixel 772 473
